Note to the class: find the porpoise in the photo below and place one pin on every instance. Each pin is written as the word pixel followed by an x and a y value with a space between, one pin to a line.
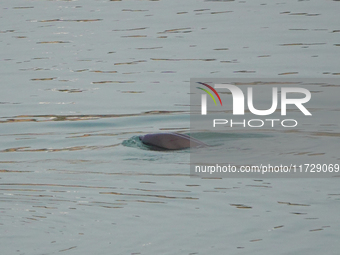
pixel 170 141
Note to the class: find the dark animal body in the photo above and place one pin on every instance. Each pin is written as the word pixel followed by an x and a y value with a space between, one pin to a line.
pixel 170 141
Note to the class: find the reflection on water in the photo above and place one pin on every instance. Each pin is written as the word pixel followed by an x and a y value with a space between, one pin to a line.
pixel 101 180
pixel 40 118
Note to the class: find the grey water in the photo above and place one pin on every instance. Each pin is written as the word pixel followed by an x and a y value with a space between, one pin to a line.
pixel 80 80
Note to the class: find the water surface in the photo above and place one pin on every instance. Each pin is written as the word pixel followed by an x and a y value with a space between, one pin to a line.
pixel 80 77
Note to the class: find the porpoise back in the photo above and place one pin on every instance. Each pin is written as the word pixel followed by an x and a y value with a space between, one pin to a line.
pixel 170 141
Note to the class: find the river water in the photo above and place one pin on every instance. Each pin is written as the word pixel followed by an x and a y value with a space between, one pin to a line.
pixel 80 80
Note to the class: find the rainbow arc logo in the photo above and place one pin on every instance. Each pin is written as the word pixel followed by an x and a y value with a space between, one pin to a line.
pixel 209 93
